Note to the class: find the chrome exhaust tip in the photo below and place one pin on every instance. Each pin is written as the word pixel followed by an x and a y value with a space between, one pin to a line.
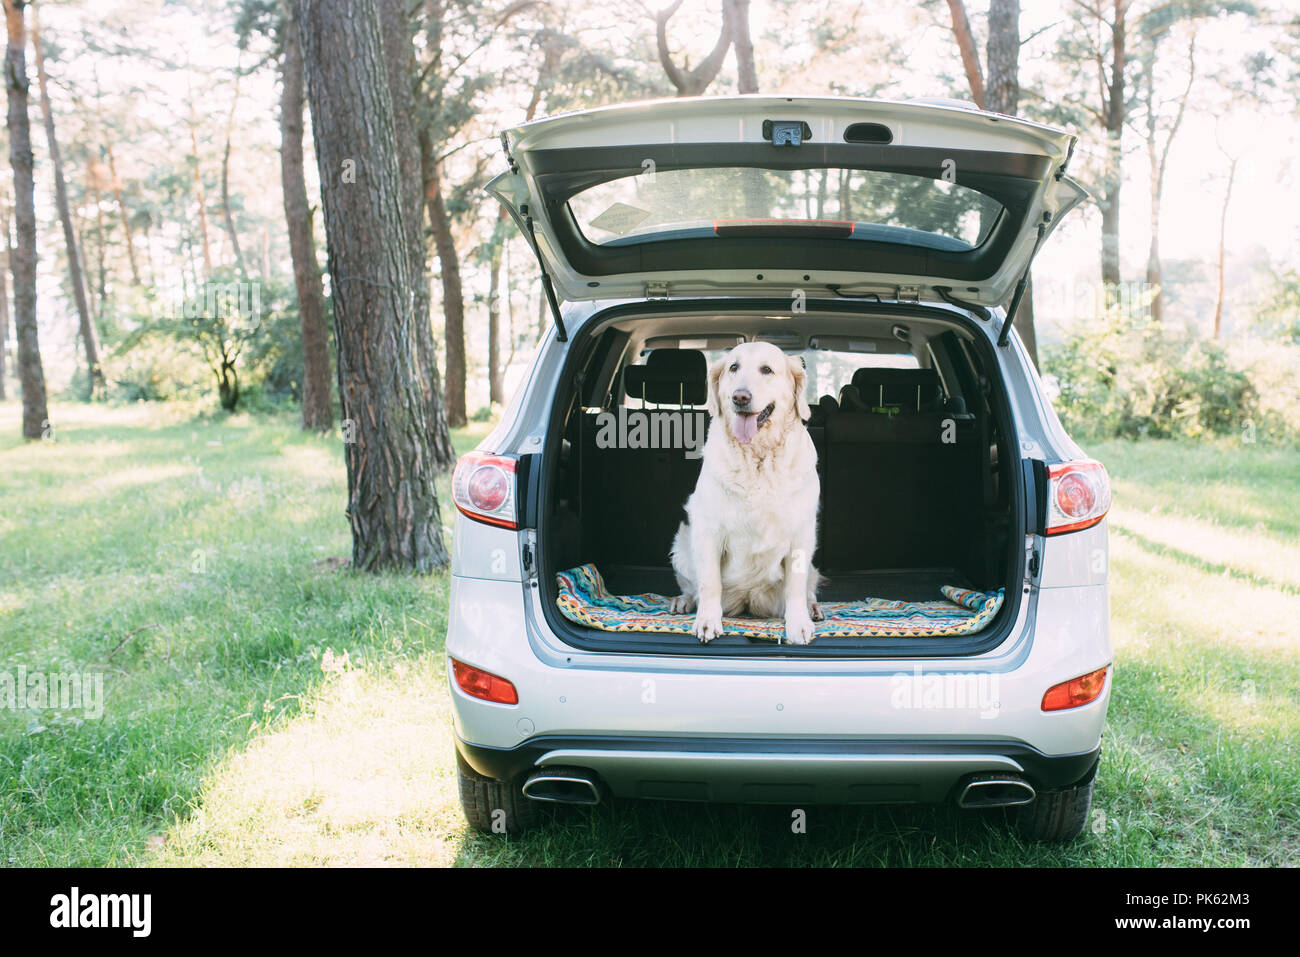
pixel 563 786
pixel 996 791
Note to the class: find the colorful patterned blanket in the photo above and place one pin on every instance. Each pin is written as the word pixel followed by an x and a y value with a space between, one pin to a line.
pixel 585 601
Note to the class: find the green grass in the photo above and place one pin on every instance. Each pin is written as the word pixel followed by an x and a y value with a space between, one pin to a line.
pixel 266 706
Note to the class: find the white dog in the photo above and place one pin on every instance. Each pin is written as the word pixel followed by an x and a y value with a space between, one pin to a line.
pixel 751 523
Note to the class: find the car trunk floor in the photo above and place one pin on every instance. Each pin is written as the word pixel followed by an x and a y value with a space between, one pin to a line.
pixel 585 598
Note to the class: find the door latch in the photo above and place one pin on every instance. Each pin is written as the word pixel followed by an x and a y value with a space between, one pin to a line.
pixel 786 132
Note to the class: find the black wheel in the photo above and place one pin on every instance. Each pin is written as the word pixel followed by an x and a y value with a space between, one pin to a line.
pixel 493 807
pixel 1056 816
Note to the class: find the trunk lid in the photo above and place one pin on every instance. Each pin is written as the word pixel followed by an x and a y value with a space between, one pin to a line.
pixel 765 195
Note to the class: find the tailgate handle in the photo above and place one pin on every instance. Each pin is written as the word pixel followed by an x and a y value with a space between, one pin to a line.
pixel 786 132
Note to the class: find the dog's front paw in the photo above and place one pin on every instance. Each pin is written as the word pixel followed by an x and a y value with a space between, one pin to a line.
pixel 799 631
pixel 682 605
pixel 816 612
pixel 708 624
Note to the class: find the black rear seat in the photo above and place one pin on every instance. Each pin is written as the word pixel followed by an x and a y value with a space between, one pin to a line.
pixel 895 494
pixel 632 498
pixel 901 487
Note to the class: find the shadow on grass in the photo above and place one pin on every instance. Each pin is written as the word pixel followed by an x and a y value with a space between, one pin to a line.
pixel 662 834
pixel 1191 560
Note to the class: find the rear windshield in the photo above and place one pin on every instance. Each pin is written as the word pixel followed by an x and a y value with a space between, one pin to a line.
pixel 833 203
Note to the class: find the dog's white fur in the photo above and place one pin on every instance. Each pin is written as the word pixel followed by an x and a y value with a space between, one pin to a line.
pixel 751 523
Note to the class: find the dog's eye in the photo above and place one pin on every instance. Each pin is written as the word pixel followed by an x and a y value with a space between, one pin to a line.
pixel 766 370
pixel 734 367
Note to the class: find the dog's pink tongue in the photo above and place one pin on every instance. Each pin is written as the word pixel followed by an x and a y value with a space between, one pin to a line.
pixel 744 428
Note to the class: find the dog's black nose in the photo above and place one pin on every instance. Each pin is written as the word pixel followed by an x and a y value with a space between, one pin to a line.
pixel 740 398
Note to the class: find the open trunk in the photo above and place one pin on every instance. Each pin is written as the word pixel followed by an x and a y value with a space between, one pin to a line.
pixel 830 203
pixel 920 487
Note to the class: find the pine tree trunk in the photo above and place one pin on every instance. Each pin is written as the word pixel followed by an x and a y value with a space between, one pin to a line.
pixel 392 503
pixel 1116 110
pixel 148 251
pixel 1223 236
pixel 116 185
pixel 86 328
pixel 4 298
pixel 317 403
pixel 495 386
pixel 552 54
pixel 203 206
pixel 453 298
pixel 434 12
pixel 758 199
pixel 746 73
pixel 1109 202
pixel 1155 274
pixel 1157 160
pixel 1002 95
pixel 507 304
pixel 1002 83
pixel 225 189
pixel 1154 189
pixel 101 270
pixel 397 32
pixel 970 58
pixel 31 374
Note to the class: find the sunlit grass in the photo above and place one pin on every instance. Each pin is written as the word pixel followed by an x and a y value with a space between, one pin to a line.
pixel 196 561
pixel 361 777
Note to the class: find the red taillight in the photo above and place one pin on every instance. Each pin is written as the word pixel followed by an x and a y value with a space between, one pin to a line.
pixel 483 684
pixel 1078 496
pixel 483 488
pixel 1075 692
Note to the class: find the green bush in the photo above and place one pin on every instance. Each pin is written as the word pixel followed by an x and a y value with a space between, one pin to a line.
pixel 157 371
pixel 1274 370
pixel 244 334
pixel 1125 377
pixel 273 361
pixel 1278 314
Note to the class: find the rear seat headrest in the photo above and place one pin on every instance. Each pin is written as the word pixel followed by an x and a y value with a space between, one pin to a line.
pixel 851 400
pixel 669 377
pixel 825 408
pixel 912 390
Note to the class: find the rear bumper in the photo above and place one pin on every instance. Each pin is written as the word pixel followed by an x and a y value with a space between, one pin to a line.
pixel 782 770
pixel 568 694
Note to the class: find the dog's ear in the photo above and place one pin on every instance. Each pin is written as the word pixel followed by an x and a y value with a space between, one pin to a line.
pixel 711 401
pixel 800 384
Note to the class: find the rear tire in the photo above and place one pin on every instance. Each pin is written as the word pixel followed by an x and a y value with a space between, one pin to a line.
pixel 491 806
pixel 1056 816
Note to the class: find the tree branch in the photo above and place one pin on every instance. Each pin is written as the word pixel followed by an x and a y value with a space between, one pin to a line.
pixel 686 81
pixel 675 76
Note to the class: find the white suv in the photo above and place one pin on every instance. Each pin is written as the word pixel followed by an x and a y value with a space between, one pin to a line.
pixel 888 244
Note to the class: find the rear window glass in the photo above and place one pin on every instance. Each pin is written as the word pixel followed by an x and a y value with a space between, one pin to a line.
pixel 843 203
